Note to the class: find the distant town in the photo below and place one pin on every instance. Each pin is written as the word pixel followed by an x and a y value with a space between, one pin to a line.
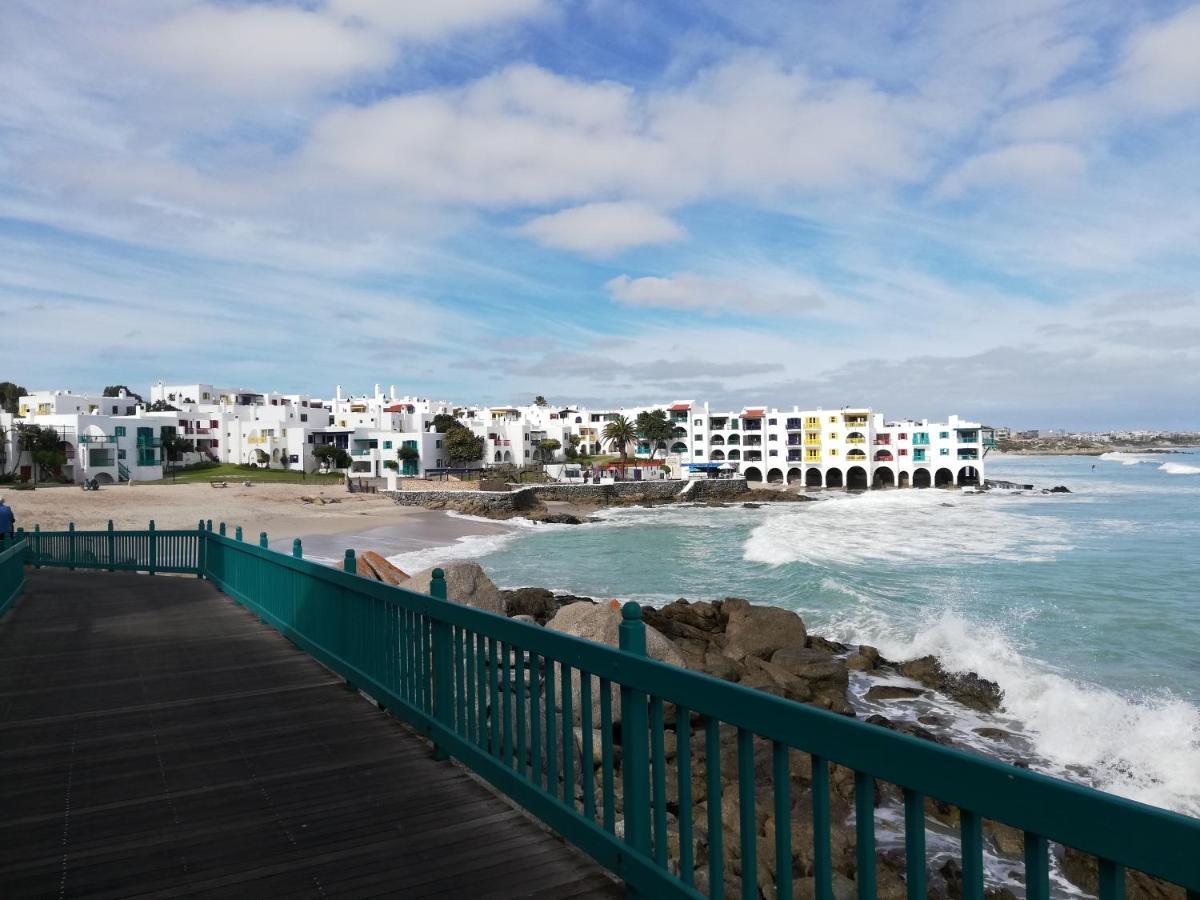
pixel 118 435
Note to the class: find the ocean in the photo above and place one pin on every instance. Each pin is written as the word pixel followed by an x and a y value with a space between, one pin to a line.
pixel 1084 607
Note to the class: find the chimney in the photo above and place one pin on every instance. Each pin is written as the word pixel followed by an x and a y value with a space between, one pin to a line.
pixel 338 393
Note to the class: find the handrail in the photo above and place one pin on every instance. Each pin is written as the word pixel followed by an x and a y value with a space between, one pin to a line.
pixel 483 688
pixel 12 570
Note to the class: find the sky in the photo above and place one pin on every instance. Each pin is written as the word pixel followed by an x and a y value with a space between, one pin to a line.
pixel 989 209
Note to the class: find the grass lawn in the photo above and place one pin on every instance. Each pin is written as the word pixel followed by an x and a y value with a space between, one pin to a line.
pixel 229 472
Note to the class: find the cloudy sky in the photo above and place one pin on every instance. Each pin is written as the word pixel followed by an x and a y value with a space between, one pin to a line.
pixel 984 208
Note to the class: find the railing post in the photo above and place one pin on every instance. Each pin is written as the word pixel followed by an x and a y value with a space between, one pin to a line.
pixel 221 530
pixel 201 545
pixel 262 539
pixel 153 548
pixel 237 533
pixel 349 564
pixel 71 545
pixel 112 548
pixel 635 738
pixel 443 660
pixel 297 549
pixel 37 540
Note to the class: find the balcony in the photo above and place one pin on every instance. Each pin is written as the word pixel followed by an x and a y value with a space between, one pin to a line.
pixel 856 439
pixel 968 437
pixel 968 454
pixel 855 421
pixel 794 440
pixel 752 440
pixel 148 443
pixel 883 440
pixel 812 442
pixel 361 451
pixel 793 425
pixel 795 456
pixel 97 439
pixel 753 456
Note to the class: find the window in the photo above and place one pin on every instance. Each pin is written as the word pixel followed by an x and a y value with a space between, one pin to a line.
pixel 919 455
pixel 303 417
pixel 813 453
pixel 903 436
pixel 833 451
pixel 129 410
pixel 387 445
pixel 772 453
pixel 943 434
pixel 833 435
pixel 771 421
pixel 438 444
pixel 215 444
pixel 119 431
pixel 945 451
pixel 772 437
pixel 832 419
pixel 120 454
pixel 903 451
pixel 697 438
pixel 205 395
pixel 698 422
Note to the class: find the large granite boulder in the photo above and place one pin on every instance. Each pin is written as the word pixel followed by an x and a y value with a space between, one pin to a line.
pixel 600 622
pixel 466 583
pixel 530 601
pixel 759 631
pixel 967 688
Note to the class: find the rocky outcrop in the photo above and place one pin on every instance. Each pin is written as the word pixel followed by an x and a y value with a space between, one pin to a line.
pixel 967 688
pixel 466 583
pixel 538 603
pixel 759 631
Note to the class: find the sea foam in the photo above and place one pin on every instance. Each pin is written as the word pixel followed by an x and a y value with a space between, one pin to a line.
pixel 1172 468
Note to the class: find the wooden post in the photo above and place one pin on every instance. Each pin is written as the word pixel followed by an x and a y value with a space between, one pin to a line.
pixel 297 550
pixel 635 738
pixel 442 665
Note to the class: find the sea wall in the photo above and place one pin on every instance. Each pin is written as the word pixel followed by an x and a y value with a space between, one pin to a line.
pixel 492 501
pixel 528 496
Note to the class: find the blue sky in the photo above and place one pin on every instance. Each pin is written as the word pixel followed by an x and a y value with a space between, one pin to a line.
pixel 988 209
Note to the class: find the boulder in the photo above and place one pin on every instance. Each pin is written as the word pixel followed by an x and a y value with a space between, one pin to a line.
pixel 759 631
pixel 531 601
pixel 893 692
pixel 600 622
pixel 967 688
pixel 466 583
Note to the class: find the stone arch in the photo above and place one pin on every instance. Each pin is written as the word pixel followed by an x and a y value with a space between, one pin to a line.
pixel 775 476
pixel 275 455
pixel 753 473
pixel 507 456
pixel 883 455
pixel 884 477
pixel 833 478
pixel 735 454
pixel 734 439
pixel 812 478
pixel 717 441
pixel 943 478
pixel 857 455
pixel 717 456
pixel 679 432
pixel 968 475
pixel 794 475
pixel 921 479
pixel 498 456
pixel 679 447
pixel 103 478
pixel 904 480
pixel 856 479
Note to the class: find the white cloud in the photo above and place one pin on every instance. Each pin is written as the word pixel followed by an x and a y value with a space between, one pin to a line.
pixel 259 50
pixel 602 229
pixel 1162 64
pixel 432 20
pixel 697 293
pixel 1033 165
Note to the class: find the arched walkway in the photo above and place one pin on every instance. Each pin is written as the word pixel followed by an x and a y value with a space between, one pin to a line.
pixel 753 473
pixel 968 475
pixel 904 480
pixel 775 476
pixel 856 478
pixel 794 475
pixel 884 477
pixel 507 456
pixel 833 478
pixel 921 478
pixel 943 478
pixel 812 478
pixel 498 456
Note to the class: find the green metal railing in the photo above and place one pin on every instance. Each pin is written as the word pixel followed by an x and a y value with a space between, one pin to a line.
pixel 150 551
pixel 12 570
pixel 499 695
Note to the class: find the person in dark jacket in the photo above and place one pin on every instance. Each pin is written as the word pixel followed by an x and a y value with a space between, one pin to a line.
pixel 8 521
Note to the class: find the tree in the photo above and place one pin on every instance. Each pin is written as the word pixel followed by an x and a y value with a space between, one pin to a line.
pixel 174 447
pixel 573 442
pixel 654 428
pixel 539 400
pixel 331 457
pixel 44 447
pixel 408 453
pixel 463 445
pixel 114 390
pixel 162 406
pixel 620 433
pixel 443 422
pixel 263 457
pixel 10 396
pixel 548 447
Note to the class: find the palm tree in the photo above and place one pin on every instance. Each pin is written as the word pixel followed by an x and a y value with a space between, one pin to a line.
pixel 620 433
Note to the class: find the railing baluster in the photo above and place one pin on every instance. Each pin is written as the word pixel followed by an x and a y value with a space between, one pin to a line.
pixel 683 762
pixel 781 780
pixel 607 777
pixel 481 689
pixel 864 834
pixel 712 765
pixel 494 690
pixel 970 829
pixel 914 844
pixel 658 780
pixel 822 848
pixel 746 819
pixel 568 737
pixel 472 730
pixel 535 719
pixel 1112 880
pixel 635 740
pixel 587 755
pixel 522 702
pixel 506 746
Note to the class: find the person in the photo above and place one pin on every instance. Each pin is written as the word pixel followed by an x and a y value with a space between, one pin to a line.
pixel 8 521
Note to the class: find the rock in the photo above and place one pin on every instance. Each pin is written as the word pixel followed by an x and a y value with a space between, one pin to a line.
pixel 967 688
pixel 600 622
pixel 1057 489
pixel 993 734
pixel 820 643
pixel 893 692
pixel 718 665
pixel 858 663
pixel 466 583
pixel 929 719
pixel 906 728
pixel 759 631
pixel 560 519
pixel 825 676
pixel 1081 869
pixel 751 506
pixel 536 602
pixel 705 617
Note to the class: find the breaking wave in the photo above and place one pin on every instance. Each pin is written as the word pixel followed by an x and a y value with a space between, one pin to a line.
pixel 1172 468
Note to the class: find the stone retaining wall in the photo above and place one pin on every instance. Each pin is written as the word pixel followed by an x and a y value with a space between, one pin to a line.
pixel 523 497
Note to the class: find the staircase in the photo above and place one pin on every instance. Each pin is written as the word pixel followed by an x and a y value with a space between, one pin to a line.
pixel 122 472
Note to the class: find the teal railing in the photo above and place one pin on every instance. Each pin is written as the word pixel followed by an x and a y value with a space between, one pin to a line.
pixel 499 695
pixel 12 571
pixel 150 551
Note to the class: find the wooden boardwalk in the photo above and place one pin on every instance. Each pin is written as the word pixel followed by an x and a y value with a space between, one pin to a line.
pixel 156 739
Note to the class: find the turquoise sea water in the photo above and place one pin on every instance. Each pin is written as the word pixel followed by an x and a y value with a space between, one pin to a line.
pixel 1085 607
